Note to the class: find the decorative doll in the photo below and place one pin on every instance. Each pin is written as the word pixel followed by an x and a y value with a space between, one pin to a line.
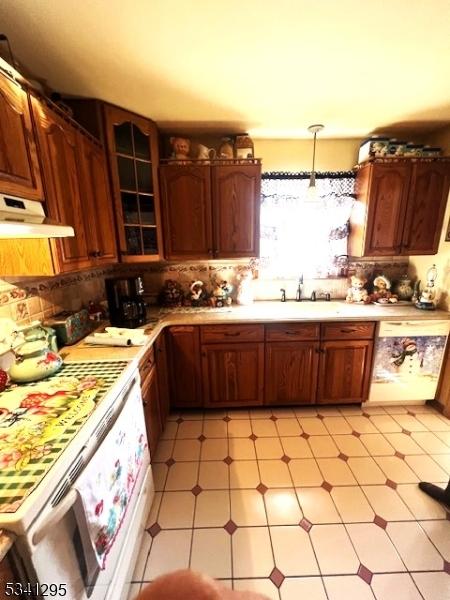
pixel 197 293
pixel 221 294
pixel 171 294
pixel 180 148
pixel 245 288
pixel 357 292
pixel 382 293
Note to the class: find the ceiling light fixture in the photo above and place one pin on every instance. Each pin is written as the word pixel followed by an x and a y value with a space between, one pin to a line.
pixel 312 191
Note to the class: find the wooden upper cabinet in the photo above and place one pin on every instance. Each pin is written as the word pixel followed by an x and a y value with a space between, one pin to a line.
pixel 60 158
pixel 97 202
pixel 186 201
pixel 387 203
pixel 211 211
pixel 19 165
pixel 426 207
pixel 344 371
pixel 401 207
pixel 291 372
pixel 236 198
pixel 132 143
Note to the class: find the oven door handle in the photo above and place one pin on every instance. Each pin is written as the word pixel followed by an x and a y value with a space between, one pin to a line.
pixel 55 516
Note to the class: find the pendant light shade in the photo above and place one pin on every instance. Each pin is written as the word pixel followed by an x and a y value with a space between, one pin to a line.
pixel 312 190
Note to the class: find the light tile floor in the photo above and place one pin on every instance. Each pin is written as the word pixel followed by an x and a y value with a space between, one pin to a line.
pixel 303 503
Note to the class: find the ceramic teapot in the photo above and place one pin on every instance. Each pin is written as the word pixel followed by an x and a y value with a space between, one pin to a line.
pixel 36 357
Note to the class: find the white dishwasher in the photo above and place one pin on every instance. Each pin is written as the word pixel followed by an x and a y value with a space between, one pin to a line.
pixel 408 360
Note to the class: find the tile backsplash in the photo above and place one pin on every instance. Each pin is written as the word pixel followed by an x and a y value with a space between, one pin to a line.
pixel 28 298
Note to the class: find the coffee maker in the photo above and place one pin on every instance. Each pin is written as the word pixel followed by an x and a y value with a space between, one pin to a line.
pixel 125 301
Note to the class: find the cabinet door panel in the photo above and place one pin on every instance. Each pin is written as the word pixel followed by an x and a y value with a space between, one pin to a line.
pixel 150 399
pixel 291 372
pixel 344 371
pixel 426 207
pixel 233 374
pixel 19 166
pixel 184 366
pixel 186 200
pixel 60 156
pixel 133 152
pixel 97 202
pixel 387 204
pixel 236 205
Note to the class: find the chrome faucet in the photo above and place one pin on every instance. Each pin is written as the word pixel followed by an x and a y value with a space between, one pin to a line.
pixel 283 295
pixel 298 295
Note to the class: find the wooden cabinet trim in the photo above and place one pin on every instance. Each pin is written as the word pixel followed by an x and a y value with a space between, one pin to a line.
pixel 292 332
pixel 352 330
pixel 231 333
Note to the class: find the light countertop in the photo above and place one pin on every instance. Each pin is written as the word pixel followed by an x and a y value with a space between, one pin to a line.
pixel 259 312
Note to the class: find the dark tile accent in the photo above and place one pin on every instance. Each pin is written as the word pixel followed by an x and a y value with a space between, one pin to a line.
pixel 154 530
pixel 228 460
pixel 253 437
pixel 305 524
pixel 343 456
pixel 321 417
pixel 170 462
pixel 391 484
pixel 179 420
pixel 305 435
pixel 365 574
pixel 327 486
pixel 366 415
pixel 261 488
pixel 226 419
pixel 447 566
pixel 201 438
pixel 230 527
pixel 276 577
pixel 196 490
pixel 356 434
pixel 285 458
pixel 406 432
pixel 412 414
pixel 273 418
pixel 399 455
pixel 380 522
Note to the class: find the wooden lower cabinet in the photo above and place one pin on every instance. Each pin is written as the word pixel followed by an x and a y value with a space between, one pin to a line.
pixel 344 371
pixel 161 358
pixel 291 372
pixel 152 414
pixel 184 366
pixel 233 374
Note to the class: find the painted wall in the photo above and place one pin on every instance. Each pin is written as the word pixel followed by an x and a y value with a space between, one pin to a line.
pixel 296 155
pixel 420 264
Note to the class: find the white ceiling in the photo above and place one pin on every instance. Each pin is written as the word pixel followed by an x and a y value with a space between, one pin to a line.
pixel 271 67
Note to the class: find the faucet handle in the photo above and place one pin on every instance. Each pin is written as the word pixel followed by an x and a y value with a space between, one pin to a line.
pixel 313 296
pixel 283 294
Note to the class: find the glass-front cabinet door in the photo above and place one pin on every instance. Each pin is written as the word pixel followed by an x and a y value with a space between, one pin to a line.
pixel 133 150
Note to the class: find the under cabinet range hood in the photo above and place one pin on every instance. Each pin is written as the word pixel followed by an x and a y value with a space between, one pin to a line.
pixel 20 218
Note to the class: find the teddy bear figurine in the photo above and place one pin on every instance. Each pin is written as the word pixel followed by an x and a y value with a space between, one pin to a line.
pixel 382 291
pixel 357 292
pixel 180 149
pixel 197 293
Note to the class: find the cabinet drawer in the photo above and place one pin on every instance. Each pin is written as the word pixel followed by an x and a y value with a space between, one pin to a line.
pixel 146 364
pixel 348 331
pixel 290 332
pixel 210 334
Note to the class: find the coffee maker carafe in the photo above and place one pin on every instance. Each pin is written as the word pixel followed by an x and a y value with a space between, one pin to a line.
pixel 125 302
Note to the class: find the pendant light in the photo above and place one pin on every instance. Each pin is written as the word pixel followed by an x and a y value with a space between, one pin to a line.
pixel 312 190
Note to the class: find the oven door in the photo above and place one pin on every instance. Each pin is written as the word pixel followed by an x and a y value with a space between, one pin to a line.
pixel 53 553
